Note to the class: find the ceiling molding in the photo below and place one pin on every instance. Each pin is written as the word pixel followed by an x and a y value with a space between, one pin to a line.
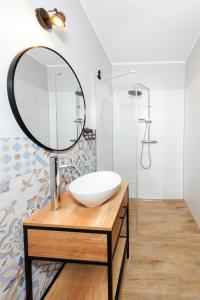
pixel 149 63
pixel 192 48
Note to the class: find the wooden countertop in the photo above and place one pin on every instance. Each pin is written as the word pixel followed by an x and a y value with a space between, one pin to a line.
pixel 74 215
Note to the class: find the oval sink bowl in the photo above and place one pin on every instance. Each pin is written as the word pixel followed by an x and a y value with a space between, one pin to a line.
pixel 95 188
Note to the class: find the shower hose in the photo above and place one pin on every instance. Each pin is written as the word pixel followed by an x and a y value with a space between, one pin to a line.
pixel 146 134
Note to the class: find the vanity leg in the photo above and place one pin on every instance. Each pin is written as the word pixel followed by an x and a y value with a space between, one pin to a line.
pixel 127 229
pixel 109 267
pixel 27 268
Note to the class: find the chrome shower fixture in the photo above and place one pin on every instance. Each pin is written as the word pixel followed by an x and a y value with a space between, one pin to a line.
pixel 145 121
pixel 79 93
pixel 135 93
pixel 99 76
pixel 146 140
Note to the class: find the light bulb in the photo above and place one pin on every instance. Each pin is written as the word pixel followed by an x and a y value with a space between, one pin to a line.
pixel 58 19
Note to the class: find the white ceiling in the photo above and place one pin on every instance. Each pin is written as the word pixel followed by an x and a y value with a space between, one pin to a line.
pixel 145 30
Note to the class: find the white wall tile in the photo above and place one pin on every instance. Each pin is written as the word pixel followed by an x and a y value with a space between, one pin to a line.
pixel 133 191
pixel 150 191
pixel 173 130
pixel 124 114
pixel 173 192
pixel 173 98
pixel 126 129
pixel 167 113
pixel 174 177
pixel 125 173
pixel 157 161
pixel 126 145
pixel 174 162
pixel 173 146
pixel 150 176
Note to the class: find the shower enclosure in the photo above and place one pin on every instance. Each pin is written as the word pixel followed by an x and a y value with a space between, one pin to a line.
pixel 144 134
pixel 134 142
pixel 147 139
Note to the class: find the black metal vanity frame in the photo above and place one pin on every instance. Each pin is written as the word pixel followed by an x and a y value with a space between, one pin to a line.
pixel 109 263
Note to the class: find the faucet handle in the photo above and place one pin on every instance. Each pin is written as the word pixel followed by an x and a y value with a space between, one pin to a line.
pixel 66 167
pixel 64 160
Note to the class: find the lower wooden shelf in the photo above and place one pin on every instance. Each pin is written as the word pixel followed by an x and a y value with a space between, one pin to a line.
pixel 86 282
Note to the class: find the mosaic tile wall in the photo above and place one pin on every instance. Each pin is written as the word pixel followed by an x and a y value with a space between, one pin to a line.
pixel 24 188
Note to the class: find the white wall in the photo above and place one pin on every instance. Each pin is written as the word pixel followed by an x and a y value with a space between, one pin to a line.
pixel 24 175
pixel 192 133
pixel 164 180
pixel 77 43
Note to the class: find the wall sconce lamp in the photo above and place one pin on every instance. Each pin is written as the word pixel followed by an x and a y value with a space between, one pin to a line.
pixel 46 20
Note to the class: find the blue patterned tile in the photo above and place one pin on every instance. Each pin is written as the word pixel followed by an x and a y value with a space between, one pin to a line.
pixel 24 188
pixel 26 154
pixel 17 146
pixel 6 158
pixel 17 157
pixel 18 166
pixel 40 161
pixel 4 185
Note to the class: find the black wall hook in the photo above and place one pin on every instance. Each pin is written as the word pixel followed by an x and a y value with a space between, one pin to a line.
pixel 99 74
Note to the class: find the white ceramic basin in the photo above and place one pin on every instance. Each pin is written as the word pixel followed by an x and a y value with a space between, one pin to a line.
pixel 95 188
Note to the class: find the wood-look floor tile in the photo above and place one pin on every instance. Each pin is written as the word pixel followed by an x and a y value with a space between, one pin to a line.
pixel 164 264
pixel 196 297
pixel 150 263
pixel 164 259
pixel 189 284
pixel 167 248
pixel 166 297
pixel 150 282
pixel 177 297
pixel 127 295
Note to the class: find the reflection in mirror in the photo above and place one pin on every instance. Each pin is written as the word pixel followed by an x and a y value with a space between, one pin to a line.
pixel 49 98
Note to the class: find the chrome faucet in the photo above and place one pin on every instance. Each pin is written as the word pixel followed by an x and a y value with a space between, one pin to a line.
pixel 55 169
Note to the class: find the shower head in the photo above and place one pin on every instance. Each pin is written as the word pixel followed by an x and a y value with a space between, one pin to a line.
pixel 79 93
pixel 135 93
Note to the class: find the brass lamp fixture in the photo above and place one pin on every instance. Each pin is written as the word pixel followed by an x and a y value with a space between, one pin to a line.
pixel 50 17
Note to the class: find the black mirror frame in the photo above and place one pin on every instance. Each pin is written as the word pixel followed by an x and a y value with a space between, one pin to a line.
pixel 13 104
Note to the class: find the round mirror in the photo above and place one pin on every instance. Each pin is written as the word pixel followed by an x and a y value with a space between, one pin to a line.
pixel 46 98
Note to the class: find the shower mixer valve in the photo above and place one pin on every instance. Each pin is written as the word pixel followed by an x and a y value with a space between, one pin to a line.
pixel 145 121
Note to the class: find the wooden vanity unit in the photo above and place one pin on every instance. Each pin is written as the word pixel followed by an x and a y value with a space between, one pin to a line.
pixel 92 243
